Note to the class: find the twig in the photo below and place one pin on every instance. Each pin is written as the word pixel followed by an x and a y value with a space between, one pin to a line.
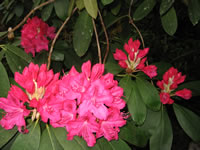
pixel 133 24
pixel 107 39
pixel 97 39
pixel 31 12
pixel 54 40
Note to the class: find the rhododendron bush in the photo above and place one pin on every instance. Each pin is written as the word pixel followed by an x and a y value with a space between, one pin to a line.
pixel 65 85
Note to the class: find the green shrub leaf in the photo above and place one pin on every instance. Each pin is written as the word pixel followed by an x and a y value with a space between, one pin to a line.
pixel 193 10
pixel 125 83
pixel 46 12
pixel 91 7
pixel 162 136
pixel 6 135
pixel 165 6
pixel 189 121
pixel 143 9
pixel 61 8
pixel 29 141
pixel 4 84
pixel 169 21
pixel 106 2
pixel 149 94
pixel 83 32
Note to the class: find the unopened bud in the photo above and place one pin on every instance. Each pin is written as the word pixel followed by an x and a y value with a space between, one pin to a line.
pixel 10 34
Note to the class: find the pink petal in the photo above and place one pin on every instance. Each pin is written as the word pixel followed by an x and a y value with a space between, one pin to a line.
pixel 185 93
pixel 150 70
pixel 120 55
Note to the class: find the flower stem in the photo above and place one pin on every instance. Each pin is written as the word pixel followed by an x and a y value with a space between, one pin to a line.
pixel 54 40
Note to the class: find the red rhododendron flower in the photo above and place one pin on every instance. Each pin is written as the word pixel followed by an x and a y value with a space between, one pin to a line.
pixel 98 99
pixel 34 35
pixel 170 82
pixel 136 59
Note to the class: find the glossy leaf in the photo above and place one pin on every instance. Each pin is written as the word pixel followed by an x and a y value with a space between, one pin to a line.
pixel 80 4
pixel 134 135
pixel 125 83
pixel 3 33
pixel 75 144
pixel 57 56
pixel 162 137
pixel 19 9
pixel 106 2
pixel 194 86
pixel 19 52
pixel 61 8
pixel 4 84
pixel 28 141
pixel 149 93
pixel 135 104
pixel 83 32
pixel 71 6
pixel 165 6
pixel 91 7
pixel 2 53
pixel 112 145
pixel 6 135
pixel 46 12
pixel 143 9
pixel 193 10
pixel 15 63
pixel 189 121
pixel 113 68
pixel 116 8
pixel 169 21
pixel 48 141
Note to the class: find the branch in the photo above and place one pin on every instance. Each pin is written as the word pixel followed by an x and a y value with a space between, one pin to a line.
pixel 133 24
pixel 97 39
pixel 106 35
pixel 54 40
pixel 31 12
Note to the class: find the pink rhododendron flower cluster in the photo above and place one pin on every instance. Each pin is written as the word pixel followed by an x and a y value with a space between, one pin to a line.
pixel 40 86
pixel 170 82
pixel 136 59
pixel 34 35
pixel 87 104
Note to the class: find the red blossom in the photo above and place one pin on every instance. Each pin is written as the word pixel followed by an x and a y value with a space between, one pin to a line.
pixel 34 35
pixel 171 79
pixel 136 59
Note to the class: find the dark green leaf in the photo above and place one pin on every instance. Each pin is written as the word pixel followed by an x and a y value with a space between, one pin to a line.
pixel 136 106
pixel 75 144
pixel 106 2
pixel 125 83
pixel 193 10
pixel 6 135
pixel 116 8
pixel 134 135
pixel 91 7
pixel 2 55
pixel 19 9
pixel 149 93
pixel 112 145
pixel 61 8
pixel 10 16
pixel 71 6
pixel 46 12
pixel 169 21
pixel 49 141
pixel 3 33
pixel 189 121
pixel 4 82
pixel 15 63
pixel 80 4
pixel 194 86
pixel 57 56
pixel 83 32
pixel 143 9
pixel 162 137
pixel 165 6
pixel 113 68
pixel 29 141
pixel 19 52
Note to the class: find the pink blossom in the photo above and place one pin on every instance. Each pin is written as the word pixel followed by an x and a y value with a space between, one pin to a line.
pixel 15 112
pixel 185 93
pixel 171 79
pixel 34 35
pixel 136 59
